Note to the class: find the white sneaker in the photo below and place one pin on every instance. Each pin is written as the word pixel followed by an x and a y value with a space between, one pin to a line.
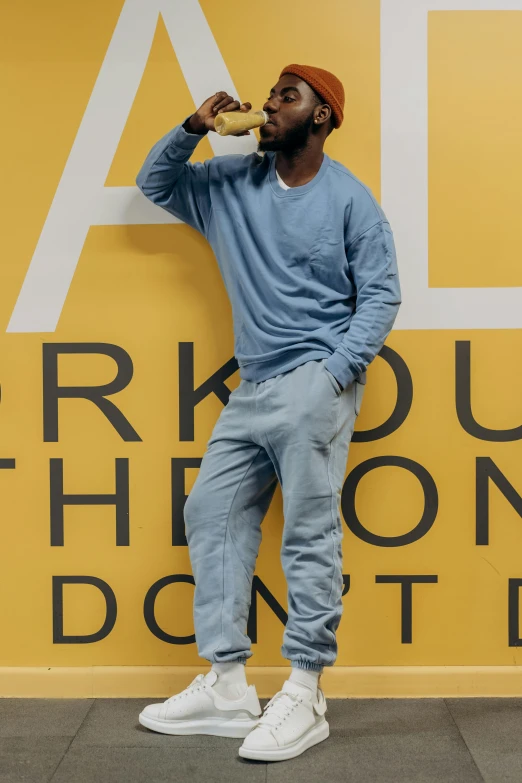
pixel 292 722
pixel 200 709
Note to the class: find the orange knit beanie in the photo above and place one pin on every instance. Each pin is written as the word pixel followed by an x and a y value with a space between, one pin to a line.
pixel 325 84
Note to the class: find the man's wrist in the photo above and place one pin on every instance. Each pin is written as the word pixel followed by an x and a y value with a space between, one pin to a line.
pixel 191 126
pixel 338 366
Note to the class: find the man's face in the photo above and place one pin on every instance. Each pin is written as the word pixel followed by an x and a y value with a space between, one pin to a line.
pixel 291 111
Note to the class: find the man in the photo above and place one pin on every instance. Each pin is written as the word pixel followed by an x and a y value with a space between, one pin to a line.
pixel 308 260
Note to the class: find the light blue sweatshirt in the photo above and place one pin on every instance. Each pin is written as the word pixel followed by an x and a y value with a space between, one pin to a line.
pixel 311 271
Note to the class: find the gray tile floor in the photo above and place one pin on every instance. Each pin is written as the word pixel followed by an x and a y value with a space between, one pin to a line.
pixel 371 740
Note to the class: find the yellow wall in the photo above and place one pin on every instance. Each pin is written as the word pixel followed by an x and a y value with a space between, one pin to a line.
pixel 150 288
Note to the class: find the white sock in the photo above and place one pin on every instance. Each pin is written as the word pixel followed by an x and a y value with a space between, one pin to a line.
pixel 231 682
pixel 307 678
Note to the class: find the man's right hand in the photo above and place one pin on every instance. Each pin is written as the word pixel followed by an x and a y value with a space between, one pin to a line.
pixel 203 120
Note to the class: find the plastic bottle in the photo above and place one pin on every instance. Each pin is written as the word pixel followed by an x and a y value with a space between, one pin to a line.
pixel 228 123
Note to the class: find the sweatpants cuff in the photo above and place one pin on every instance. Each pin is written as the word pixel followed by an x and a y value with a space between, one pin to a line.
pixel 242 659
pixel 300 663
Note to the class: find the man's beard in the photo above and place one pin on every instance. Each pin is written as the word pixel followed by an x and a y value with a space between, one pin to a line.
pixel 294 139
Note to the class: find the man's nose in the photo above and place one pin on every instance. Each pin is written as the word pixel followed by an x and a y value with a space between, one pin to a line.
pixel 269 107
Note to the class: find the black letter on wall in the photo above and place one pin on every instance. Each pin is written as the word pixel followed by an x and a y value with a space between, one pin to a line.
pixel 431 501
pixel 189 397
pixel 406 582
pixel 120 499
pixel 110 617
pixel 404 399
pixel 514 639
pixel 149 614
pixel 463 400
pixel 178 466
pixel 96 394
pixel 259 587
pixel 485 470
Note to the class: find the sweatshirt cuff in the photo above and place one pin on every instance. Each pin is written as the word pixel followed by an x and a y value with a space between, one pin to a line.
pixel 179 137
pixel 338 365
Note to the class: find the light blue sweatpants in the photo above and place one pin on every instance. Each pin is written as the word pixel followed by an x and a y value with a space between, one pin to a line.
pixel 294 428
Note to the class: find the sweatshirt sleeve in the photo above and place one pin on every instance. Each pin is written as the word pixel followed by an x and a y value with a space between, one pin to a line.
pixel 373 264
pixel 170 181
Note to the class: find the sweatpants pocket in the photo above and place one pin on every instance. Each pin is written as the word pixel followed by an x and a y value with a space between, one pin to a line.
pixel 359 394
pixel 332 380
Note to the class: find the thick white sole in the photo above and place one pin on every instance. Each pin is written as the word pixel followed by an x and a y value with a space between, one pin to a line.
pixel 316 734
pixel 217 727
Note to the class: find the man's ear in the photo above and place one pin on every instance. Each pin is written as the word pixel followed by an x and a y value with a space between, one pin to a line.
pixel 324 115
